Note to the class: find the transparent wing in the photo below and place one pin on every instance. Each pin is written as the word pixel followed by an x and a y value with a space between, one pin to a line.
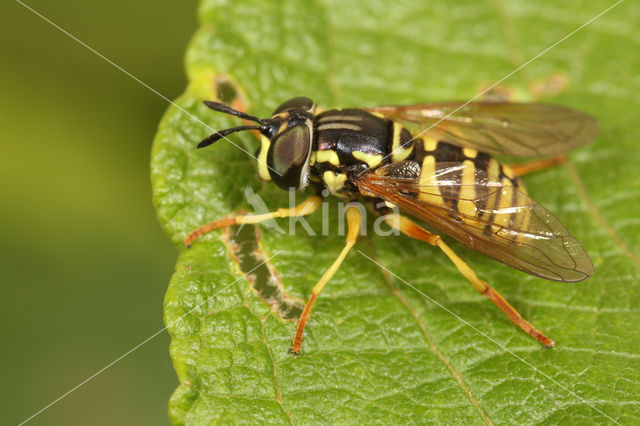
pixel 492 217
pixel 521 129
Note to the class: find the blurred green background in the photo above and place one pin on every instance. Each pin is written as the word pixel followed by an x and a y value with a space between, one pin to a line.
pixel 84 263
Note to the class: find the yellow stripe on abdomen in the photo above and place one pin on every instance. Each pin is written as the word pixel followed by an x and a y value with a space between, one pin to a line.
pixel 493 175
pixel 523 216
pixel 429 190
pixel 466 204
pixel 504 209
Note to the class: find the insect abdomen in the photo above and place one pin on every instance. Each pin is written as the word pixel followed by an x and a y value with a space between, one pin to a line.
pixel 475 187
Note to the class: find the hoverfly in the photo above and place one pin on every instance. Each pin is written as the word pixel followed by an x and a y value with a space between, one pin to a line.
pixel 433 162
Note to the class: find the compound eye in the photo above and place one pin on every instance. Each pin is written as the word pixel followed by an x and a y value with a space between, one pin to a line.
pixel 295 103
pixel 288 155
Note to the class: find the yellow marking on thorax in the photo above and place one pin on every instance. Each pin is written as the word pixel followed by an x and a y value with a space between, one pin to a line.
pixel 469 153
pixel 398 152
pixel 466 205
pixel 263 170
pixel 372 160
pixel 429 144
pixel 339 126
pixel 328 156
pixel 429 191
pixel 345 117
pixel 334 182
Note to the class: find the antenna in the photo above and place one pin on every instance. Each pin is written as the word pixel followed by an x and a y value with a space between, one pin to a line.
pixel 222 133
pixel 217 106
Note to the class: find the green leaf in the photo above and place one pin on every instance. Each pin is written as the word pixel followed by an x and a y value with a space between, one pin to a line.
pixel 375 350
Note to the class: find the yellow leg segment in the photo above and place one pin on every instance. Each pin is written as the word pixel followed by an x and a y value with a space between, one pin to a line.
pixel 537 165
pixel 354 220
pixel 410 228
pixel 307 207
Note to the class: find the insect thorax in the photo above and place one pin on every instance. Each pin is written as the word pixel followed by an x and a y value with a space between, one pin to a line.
pixel 347 142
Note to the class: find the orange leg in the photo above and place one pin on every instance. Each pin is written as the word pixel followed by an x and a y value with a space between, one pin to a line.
pixel 354 220
pixel 537 165
pixel 307 207
pixel 408 227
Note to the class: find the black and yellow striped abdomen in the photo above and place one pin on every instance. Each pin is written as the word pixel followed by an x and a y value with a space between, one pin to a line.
pixel 473 186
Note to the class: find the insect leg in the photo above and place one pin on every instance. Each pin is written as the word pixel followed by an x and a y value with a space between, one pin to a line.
pixel 354 220
pixel 307 207
pixel 537 165
pixel 410 228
